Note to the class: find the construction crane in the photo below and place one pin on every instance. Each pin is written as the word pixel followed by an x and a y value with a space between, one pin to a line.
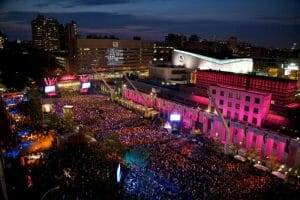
pixel 111 91
pixel 130 83
pixel 136 90
pixel 227 131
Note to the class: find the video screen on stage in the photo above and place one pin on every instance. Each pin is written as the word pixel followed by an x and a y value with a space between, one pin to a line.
pixel 175 117
pixel 50 88
pixel 86 85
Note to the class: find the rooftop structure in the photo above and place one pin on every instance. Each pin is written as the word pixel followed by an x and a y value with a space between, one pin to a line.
pixel 283 90
pixel 113 54
pixel 197 61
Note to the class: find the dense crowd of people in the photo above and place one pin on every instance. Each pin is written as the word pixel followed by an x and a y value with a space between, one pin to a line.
pixel 178 166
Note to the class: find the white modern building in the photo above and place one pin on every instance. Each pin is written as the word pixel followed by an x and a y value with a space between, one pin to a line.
pixel 197 61
pixel 169 75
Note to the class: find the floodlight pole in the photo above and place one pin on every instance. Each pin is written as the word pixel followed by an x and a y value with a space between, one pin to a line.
pixel 227 131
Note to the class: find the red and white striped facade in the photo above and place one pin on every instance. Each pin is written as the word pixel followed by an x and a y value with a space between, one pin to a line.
pixel 265 142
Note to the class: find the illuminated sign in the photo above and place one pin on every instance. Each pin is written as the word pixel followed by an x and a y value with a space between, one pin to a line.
pixel 50 81
pixel 114 57
pixel 181 59
pixel 68 78
pixel 75 84
pixel 175 117
pixel 291 67
pixel 50 88
pixel 86 85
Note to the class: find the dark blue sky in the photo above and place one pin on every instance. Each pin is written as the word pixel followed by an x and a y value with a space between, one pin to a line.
pixel 274 23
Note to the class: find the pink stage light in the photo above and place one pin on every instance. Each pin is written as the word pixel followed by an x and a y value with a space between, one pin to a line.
pixel 68 78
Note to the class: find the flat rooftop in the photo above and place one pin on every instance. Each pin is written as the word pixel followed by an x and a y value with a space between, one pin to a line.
pixel 243 90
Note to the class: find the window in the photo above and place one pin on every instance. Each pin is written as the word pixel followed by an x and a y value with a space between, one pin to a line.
pixel 254 121
pixel 245 118
pixel 257 100
pixel 236 116
pixel 229 104
pixel 178 72
pixel 237 106
pixel 230 95
pixel 213 91
pixel 222 93
pixel 221 110
pixel 228 114
pixel 255 110
pixel 238 96
pixel 248 98
pixel 221 102
pixel 246 108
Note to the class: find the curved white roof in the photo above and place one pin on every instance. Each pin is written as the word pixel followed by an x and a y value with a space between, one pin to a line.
pixel 214 60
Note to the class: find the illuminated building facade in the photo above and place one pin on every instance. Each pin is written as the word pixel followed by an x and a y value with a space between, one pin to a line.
pixel 266 143
pixel 283 90
pixel 2 40
pixel 275 71
pixel 200 62
pixel 162 55
pixel 71 34
pixel 169 75
pixel 113 55
pixel 45 33
pixel 242 105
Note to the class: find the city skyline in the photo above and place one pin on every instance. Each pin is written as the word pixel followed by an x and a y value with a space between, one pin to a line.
pixel 258 22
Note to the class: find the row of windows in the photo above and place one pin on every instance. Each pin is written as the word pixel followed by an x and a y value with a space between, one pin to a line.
pixel 236 117
pixel 237 106
pixel 237 96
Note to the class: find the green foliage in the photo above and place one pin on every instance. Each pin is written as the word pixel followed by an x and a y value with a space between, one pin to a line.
pixel 19 68
pixel 59 124
pixel 113 145
pixel 33 107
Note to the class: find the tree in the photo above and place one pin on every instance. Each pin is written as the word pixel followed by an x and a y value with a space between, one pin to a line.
pixel 272 162
pixel 59 124
pixel 113 146
pixel 33 107
pixel 252 153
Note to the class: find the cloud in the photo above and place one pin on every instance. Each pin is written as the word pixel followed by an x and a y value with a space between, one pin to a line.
pixel 126 26
pixel 74 3
pixel 292 20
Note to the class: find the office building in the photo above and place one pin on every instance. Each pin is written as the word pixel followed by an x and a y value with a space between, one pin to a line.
pixel 169 75
pixel 113 55
pixel 71 34
pixel 162 55
pixel 3 40
pixel 201 62
pixel 45 33
pixel 283 90
pixel 242 105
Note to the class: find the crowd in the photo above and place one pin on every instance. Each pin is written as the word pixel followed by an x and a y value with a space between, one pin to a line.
pixel 179 167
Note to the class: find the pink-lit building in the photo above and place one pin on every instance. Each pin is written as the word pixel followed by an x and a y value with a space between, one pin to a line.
pixel 242 105
pixel 283 90
pixel 265 142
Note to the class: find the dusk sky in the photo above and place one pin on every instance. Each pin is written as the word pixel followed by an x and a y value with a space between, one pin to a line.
pixel 273 23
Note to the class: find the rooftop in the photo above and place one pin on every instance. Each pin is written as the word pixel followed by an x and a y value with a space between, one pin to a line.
pixel 243 90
